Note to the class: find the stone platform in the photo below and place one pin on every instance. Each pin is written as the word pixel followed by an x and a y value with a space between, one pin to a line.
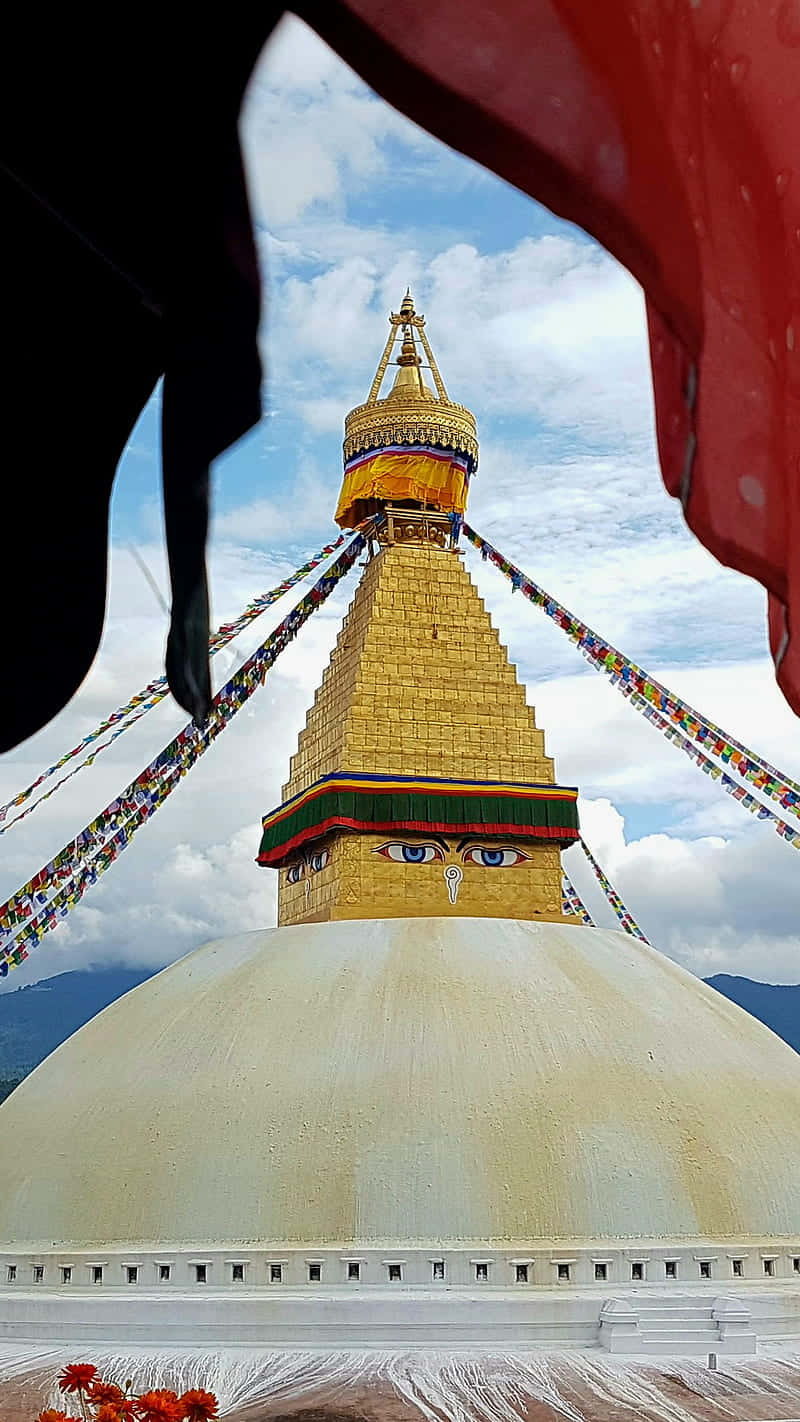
pixel 630 1322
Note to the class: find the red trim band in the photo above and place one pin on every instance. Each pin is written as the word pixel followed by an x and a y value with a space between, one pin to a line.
pixel 422 826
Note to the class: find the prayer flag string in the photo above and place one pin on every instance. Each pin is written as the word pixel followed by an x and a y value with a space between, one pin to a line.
pixel 57 888
pixel 155 691
pixel 684 726
pixel 626 919
pixel 736 788
pixel 572 903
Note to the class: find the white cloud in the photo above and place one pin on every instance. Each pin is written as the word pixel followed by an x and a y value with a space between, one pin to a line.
pixel 600 534
pixel 550 327
pixel 713 904
pixel 548 330
pixel 716 889
pixel 311 129
pixel 297 513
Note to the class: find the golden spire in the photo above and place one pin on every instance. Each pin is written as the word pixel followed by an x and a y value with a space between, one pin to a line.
pixel 411 448
pixel 421 786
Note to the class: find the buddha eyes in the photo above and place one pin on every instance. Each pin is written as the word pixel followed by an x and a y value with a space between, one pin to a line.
pixel 486 857
pixel 493 858
pixel 317 861
pixel 411 853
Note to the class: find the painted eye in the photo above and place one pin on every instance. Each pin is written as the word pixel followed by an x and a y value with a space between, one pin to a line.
pixel 295 872
pixel 493 858
pixel 410 853
pixel 318 861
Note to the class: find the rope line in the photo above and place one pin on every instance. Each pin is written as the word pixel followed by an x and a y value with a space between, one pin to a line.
pixel 626 919
pixel 572 903
pixel 684 726
pixel 155 692
pixel 57 888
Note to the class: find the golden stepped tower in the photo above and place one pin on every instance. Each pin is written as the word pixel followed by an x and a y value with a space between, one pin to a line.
pixel 421 786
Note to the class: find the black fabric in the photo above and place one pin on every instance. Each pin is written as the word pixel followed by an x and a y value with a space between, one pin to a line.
pixel 127 251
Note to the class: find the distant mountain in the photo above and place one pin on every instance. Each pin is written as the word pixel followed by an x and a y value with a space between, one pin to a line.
pixel 777 1005
pixel 35 1020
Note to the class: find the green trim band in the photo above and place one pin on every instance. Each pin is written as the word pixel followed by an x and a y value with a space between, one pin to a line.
pixel 547 817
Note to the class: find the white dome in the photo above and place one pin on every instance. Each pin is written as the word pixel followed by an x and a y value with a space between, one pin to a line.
pixel 414 1080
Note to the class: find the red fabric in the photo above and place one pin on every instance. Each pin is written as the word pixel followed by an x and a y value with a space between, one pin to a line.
pixel 669 130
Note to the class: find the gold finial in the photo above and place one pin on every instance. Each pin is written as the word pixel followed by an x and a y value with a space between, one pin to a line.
pixel 410 326
pixel 407 305
pixel 408 383
pixel 408 354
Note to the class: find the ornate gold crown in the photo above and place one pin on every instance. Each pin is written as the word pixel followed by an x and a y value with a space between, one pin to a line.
pixel 410 413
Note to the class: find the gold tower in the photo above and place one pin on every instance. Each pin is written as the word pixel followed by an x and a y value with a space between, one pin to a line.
pixel 421 786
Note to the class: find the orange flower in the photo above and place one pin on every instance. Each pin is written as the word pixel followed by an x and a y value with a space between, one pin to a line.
pixel 50 1415
pixel 101 1392
pixel 120 1411
pixel 77 1376
pixel 108 1412
pixel 161 1405
pixel 198 1406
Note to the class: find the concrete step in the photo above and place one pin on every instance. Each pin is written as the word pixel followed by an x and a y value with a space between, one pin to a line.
pixel 688 1346
pixel 679 1325
pixel 672 1311
pixel 678 1331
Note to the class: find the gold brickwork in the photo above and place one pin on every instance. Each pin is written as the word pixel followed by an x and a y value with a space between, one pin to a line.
pixel 419 684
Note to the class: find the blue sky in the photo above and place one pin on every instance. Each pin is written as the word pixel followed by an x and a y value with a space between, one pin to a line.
pixel 543 336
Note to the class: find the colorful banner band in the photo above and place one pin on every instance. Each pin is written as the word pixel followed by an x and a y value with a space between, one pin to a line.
pixel 382 803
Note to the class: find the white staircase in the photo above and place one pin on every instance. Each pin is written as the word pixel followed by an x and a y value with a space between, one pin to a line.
pixel 683 1326
pixel 678 1328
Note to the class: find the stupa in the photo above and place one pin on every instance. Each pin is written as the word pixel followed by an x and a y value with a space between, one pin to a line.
pixel 428 1107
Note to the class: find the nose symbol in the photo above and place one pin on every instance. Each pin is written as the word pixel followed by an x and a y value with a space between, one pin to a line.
pixel 453 876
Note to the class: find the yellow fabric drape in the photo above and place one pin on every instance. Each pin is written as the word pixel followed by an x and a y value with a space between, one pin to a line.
pixel 392 478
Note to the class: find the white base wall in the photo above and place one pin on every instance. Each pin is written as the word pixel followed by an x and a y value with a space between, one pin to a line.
pixel 362 1318
pixel 630 1322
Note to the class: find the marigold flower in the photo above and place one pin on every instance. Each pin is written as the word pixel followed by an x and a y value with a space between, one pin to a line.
pixel 101 1392
pixel 198 1405
pixel 109 1412
pixel 125 1408
pixel 51 1415
pixel 77 1376
pixel 161 1405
